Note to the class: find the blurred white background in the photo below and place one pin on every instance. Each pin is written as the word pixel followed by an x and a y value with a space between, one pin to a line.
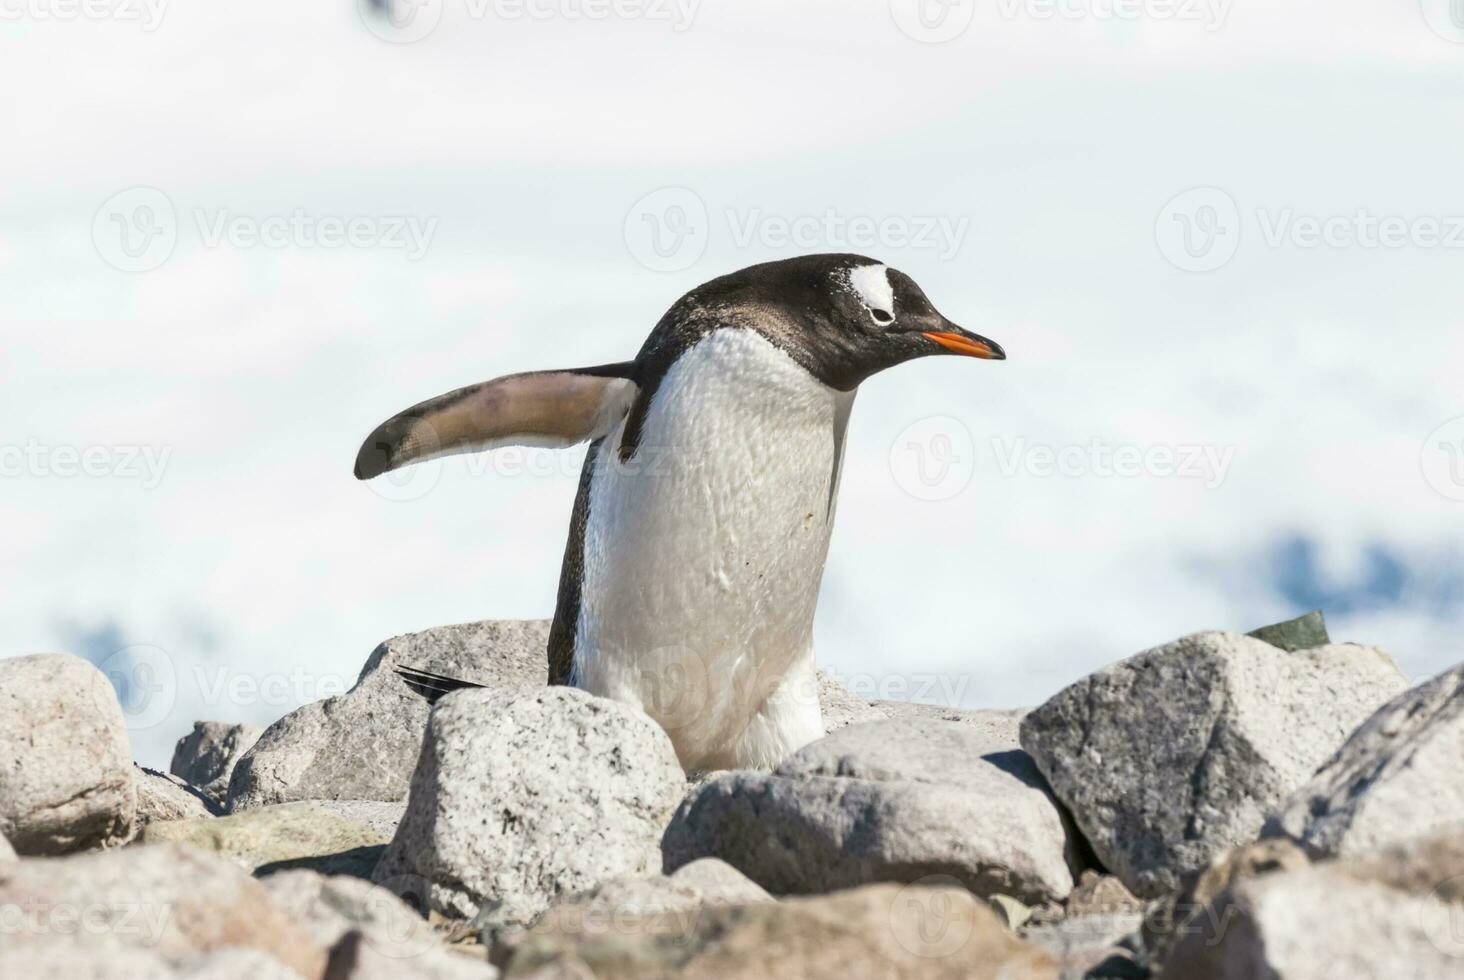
pixel 1221 240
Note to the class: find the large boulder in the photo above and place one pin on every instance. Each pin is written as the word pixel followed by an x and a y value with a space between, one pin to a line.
pixel 883 931
pixel 889 801
pixel 328 836
pixel 1179 753
pixel 66 778
pixel 1392 915
pixel 520 797
pixel 206 756
pixel 168 902
pixel 363 744
pixel 1397 777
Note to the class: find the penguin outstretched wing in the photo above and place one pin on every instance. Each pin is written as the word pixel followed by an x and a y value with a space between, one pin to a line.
pixel 541 408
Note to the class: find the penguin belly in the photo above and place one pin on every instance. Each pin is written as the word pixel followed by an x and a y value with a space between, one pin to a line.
pixel 703 553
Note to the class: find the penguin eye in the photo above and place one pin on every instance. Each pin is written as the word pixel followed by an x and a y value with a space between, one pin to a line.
pixel 882 317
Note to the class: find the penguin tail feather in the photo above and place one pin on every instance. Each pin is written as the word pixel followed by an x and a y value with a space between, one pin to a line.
pixel 432 687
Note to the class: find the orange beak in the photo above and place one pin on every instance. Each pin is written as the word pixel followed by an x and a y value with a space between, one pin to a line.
pixel 968 344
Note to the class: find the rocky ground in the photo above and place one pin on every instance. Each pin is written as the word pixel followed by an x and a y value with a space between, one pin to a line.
pixel 1224 806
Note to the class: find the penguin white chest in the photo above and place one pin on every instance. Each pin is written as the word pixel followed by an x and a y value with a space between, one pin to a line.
pixel 703 552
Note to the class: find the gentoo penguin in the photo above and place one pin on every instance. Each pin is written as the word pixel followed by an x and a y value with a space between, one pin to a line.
pixel 706 500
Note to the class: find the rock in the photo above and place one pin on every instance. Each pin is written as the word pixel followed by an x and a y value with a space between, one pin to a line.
pixel 1089 945
pixel 889 801
pixel 363 745
pixel 658 905
pixel 523 796
pixel 1000 726
pixel 164 797
pixel 311 834
pixel 1396 778
pixel 358 957
pixel 1302 633
pixel 1012 913
pixel 172 902
pixel 841 707
pixel 1187 911
pixel 1179 753
pixel 65 761
pixel 7 853
pixel 1388 916
pixel 880 931
pixel 58 962
pixel 206 756
pixel 1101 894
pixel 371 932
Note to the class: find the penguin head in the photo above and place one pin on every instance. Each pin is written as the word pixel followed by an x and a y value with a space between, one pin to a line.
pixel 843 317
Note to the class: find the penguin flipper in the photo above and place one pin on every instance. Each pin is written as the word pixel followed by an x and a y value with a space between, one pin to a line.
pixel 433 687
pixel 541 408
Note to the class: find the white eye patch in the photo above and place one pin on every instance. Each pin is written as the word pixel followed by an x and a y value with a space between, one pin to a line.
pixel 871 283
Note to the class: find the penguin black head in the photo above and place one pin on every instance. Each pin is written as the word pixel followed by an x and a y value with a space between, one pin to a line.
pixel 843 317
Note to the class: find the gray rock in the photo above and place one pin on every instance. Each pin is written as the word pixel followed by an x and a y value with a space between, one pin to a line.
pixel 171 902
pixel 882 931
pixel 523 796
pixel 1389 916
pixel 364 744
pixel 895 801
pixel 65 761
pixel 1000 726
pixel 1083 943
pixel 308 834
pixel 164 797
pixel 206 756
pixel 1397 777
pixel 371 932
pixel 7 853
pixel 1179 753
pixel 359 957
pixel 841 707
